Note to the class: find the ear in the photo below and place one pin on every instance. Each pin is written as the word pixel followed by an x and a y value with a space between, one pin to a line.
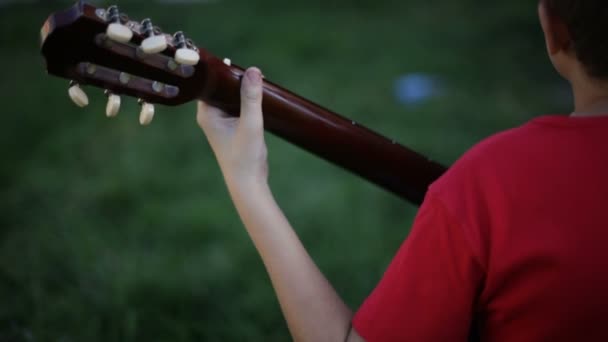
pixel 556 32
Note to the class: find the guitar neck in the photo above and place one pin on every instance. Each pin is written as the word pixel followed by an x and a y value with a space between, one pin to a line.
pixel 80 44
pixel 328 135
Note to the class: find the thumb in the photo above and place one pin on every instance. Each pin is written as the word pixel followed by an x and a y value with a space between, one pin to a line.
pixel 251 98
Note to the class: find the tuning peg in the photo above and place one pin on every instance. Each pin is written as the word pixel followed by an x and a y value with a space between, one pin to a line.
pixel 113 105
pixel 187 57
pixel 153 43
pixel 184 54
pixel 147 113
pixel 78 96
pixel 119 33
pixel 116 30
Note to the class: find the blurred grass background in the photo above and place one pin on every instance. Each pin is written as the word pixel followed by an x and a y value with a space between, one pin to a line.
pixel 114 232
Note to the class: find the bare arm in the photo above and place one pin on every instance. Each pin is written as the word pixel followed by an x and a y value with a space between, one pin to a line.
pixel 311 306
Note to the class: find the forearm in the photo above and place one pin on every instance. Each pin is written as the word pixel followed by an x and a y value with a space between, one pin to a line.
pixel 312 308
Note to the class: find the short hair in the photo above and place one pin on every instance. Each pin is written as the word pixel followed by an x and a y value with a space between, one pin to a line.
pixel 587 23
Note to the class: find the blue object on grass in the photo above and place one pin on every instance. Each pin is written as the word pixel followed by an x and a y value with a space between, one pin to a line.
pixel 417 88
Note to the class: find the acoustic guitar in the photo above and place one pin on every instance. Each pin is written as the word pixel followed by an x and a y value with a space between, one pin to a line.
pixel 103 48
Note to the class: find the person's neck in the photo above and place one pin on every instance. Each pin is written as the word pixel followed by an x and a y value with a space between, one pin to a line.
pixel 590 99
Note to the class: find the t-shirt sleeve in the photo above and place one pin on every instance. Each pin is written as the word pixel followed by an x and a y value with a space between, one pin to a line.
pixel 428 292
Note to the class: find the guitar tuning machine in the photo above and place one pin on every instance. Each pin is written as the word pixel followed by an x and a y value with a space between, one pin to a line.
pixel 186 53
pixel 190 44
pixel 78 96
pixel 117 30
pixel 155 41
pixel 147 112
pixel 113 105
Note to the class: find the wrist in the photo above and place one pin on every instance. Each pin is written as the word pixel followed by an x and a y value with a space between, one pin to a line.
pixel 244 173
pixel 238 183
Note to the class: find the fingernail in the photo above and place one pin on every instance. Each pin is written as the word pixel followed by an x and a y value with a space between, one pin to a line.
pixel 254 75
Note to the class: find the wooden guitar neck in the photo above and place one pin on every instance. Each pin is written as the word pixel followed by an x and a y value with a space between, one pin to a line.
pixel 103 48
pixel 330 136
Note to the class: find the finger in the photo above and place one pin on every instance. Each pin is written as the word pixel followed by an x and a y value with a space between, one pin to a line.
pixel 251 97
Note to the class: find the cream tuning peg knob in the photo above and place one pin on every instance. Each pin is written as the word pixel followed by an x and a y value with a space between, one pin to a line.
pixel 119 33
pixel 113 105
pixel 187 56
pixel 116 31
pixel 153 43
pixel 147 113
pixel 78 96
pixel 184 54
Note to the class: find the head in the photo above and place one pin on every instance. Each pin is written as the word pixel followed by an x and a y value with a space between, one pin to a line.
pixel 576 33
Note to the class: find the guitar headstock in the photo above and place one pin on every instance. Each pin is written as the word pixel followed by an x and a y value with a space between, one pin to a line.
pixel 102 47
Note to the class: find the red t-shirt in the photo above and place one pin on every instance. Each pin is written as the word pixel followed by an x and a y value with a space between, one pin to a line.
pixel 515 234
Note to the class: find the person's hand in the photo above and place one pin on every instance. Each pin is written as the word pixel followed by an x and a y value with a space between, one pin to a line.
pixel 238 142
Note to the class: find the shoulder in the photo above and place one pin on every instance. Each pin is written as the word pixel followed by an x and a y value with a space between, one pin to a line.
pixel 490 158
pixel 474 189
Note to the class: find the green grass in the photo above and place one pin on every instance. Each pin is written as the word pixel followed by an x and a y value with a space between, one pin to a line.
pixel 113 232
